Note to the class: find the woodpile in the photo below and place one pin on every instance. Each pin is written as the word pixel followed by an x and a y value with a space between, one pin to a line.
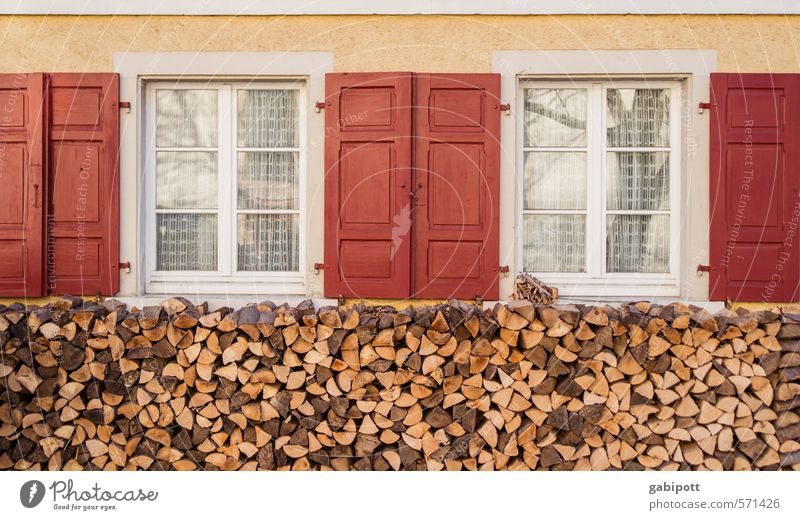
pixel 532 289
pixel 94 386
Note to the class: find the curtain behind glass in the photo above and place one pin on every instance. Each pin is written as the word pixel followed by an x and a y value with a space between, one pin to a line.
pixel 637 244
pixel 555 117
pixel 268 180
pixel 186 118
pixel 555 180
pixel 554 243
pixel 268 242
pixel 186 179
pixel 267 119
pixel 186 242
pixel 637 117
pixel 554 237
pixel 637 180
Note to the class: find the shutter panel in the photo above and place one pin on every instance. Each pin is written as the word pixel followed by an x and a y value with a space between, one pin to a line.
pixel 367 181
pixel 21 184
pixel 83 252
pixel 755 187
pixel 457 184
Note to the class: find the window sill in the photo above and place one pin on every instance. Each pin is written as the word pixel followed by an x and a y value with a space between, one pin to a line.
pixel 285 286
pixel 614 289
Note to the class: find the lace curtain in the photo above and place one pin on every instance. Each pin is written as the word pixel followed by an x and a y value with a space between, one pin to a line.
pixel 186 180
pixel 637 180
pixel 266 150
pixel 267 180
pixel 555 180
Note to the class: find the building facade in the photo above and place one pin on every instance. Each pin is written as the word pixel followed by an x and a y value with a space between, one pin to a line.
pixel 430 150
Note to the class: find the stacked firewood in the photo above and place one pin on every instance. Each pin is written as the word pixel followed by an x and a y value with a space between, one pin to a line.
pixel 90 385
pixel 532 289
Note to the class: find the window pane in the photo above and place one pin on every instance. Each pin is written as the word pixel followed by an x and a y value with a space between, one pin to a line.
pixel 268 242
pixel 267 119
pixel 555 117
pixel 555 180
pixel 186 118
pixel 555 243
pixel 186 242
pixel 638 117
pixel 637 244
pixel 186 180
pixel 267 180
pixel 638 181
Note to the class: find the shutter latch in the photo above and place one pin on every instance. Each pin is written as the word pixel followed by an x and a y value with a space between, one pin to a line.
pixel 319 267
pixel 126 266
pixel 319 105
pixel 703 269
pixel 704 106
pixel 506 107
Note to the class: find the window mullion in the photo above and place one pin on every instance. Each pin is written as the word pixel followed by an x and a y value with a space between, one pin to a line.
pixel 233 125
pixel 595 236
pixel 602 135
pixel 224 181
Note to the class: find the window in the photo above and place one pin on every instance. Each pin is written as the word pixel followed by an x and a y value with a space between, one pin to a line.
pixel 600 172
pixel 225 165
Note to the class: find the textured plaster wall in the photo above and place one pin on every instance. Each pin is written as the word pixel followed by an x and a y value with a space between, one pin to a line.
pixel 417 43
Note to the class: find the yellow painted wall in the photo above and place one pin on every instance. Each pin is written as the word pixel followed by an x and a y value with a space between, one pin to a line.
pixel 416 43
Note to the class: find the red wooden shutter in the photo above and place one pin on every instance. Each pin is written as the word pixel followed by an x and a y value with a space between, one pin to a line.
pixel 83 248
pixel 457 184
pixel 755 187
pixel 21 184
pixel 367 181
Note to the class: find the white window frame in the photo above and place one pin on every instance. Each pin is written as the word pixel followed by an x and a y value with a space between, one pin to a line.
pixel 596 280
pixel 226 279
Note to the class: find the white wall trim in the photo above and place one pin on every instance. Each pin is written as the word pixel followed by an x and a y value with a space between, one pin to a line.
pixel 394 7
pixel 693 67
pixel 135 68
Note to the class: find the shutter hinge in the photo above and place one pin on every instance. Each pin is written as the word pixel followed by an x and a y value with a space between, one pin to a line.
pixel 504 271
pixel 320 267
pixel 701 107
pixel 126 266
pixel 126 105
pixel 319 105
pixel 506 107
pixel 703 269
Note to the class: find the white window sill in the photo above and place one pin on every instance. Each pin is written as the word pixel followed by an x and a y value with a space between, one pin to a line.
pixel 610 288
pixel 251 286
pixel 234 301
